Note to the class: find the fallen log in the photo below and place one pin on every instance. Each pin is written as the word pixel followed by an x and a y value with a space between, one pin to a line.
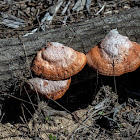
pixel 16 54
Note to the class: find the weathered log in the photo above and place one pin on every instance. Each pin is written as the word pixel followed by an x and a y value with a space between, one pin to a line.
pixel 17 54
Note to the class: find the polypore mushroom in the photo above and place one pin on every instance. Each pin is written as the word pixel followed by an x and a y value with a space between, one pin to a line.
pixel 115 55
pixel 48 88
pixel 56 62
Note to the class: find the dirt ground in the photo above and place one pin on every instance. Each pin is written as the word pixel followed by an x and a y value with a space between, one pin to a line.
pixel 96 109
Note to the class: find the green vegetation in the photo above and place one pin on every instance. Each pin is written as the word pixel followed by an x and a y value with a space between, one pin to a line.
pixel 51 137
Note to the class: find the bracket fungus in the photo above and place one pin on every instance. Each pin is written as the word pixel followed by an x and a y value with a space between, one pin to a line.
pixel 115 55
pixel 48 88
pixel 54 63
pixel 57 62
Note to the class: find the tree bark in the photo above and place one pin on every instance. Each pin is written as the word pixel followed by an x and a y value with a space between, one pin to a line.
pixel 16 54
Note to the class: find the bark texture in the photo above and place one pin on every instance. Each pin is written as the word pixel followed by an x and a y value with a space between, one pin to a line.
pixel 16 54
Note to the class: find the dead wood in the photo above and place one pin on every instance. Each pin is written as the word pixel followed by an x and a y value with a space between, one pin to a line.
pixel 17 54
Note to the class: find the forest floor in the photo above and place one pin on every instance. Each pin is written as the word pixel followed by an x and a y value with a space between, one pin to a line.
pixel 107 108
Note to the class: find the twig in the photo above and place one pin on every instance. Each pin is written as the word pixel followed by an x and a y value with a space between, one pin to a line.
pixel 100 9
pixel 30 99
pixel 5 94
pixel 2 117
pixel 73 115
pixel 83 123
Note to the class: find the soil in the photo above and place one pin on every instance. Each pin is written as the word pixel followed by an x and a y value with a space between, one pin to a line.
pixel 98 108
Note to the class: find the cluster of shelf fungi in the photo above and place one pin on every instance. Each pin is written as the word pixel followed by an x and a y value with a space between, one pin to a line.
pixel 55 64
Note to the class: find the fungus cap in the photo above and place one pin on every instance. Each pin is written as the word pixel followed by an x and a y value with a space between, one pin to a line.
pixel 48 88
pixel 56 62
pixel 115 55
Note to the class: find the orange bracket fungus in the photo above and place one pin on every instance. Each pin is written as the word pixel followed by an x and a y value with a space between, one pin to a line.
pixel 56 62
pixel 115 55
pixel 48 88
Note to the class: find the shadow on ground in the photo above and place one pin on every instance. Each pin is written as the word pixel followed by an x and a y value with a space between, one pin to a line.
pixel 81 93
